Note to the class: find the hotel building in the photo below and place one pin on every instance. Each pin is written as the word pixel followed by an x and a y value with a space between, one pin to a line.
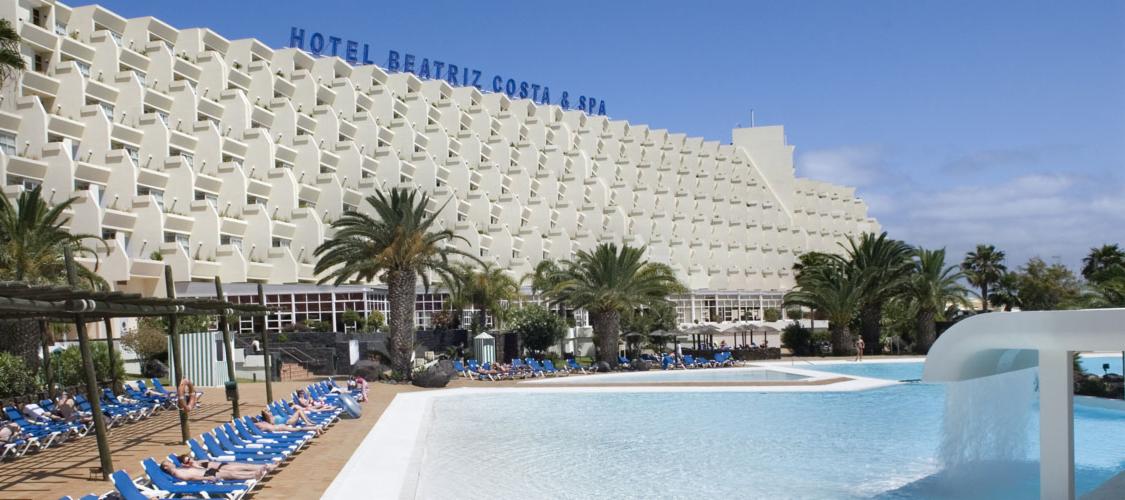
pixel 230 158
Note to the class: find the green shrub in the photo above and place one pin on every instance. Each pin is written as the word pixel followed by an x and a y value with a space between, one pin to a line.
pixel 375 321
pixel 147 340
pixel 772 314
pixel 798 339
pixel 795 313
pixel 15 377
pixel 537 327
pixel 819 337
pixel 67 364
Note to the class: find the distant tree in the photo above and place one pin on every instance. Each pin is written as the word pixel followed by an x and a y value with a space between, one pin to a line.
pixel 882 266
pixel 1006 293
pixel 834 292
pixel 538 328
pixel 375 320
pixel 932 288
pixel 148 340
pixel 771 315
pixel 352 318
pixel 1102 259
pixel 657 316
pixel 1045 287
pixel 983 267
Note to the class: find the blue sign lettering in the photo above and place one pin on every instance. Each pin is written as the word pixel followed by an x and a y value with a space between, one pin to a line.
pixel 459 75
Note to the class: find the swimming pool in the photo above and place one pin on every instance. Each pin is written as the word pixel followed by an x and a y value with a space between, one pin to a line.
pixel 697 375
pixel 871 444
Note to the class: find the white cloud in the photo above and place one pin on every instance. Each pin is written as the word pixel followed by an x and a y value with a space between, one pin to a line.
pixel 1044 210
pixel 851 165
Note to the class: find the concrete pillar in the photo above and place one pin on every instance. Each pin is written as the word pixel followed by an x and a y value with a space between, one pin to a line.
pixel 1056 425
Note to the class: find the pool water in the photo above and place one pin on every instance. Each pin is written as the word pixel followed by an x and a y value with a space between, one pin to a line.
pixel 879 443
pixel 889 371
pixel 692 375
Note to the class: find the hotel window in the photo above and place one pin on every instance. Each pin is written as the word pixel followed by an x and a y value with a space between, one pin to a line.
pixel 83 68
pixel 107 109
pixel 140 77
pixel 134 154
pixel 226 239
pixel 155 193
pixel 180 238
pixel 280 243
pixel 60 29
pixel 8 143
pixel 116 37
pixel 28 184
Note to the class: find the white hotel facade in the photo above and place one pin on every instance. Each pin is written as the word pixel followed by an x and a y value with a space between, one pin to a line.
pixel 228 158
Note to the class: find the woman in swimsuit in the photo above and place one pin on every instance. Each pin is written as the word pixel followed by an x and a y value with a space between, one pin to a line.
pixel 213 471
pixel 186 394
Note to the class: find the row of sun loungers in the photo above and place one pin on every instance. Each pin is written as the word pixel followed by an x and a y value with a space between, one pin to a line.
pixel 530 367
pixel 238 441
pixel 44 431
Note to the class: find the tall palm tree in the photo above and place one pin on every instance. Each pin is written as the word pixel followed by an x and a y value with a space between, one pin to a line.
pixel 883 266
pixel 1101 259
pixel 544 277
pixel 834 291
pixel 983 267
pixel 11 61
pixel 607 282
pixel 1006 292
pixel 486 288
pixel 1108 290
pixel 33 238
pixel 932 288
pixel 399 244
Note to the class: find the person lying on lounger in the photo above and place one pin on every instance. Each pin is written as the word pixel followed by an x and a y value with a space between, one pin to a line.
pixel 9 432
pixel 66 408
pixel 187 395
pixel 37 414
pixel 267 423
pixel 214 471
pixel 304 401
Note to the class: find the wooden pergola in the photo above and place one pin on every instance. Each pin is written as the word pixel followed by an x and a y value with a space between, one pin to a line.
pixel 46 303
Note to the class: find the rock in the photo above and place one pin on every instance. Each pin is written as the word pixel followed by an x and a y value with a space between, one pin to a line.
pixel 368 369
pixel 433 377
pixel 446 367
pixel 639 365
pixel 603 367
pixel 153 368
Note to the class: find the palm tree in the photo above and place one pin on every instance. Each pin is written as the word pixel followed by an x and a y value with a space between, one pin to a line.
pixel 1101 259
pixel 397 245
pixel 932 288
pixel 1108 290
pixel 983 267
pixel 486 289
pixel 33 238
pixel 544 277
pixel 1006 293
pixel 607 282
pixel 834 291
pixel 11 61
pixel 883 266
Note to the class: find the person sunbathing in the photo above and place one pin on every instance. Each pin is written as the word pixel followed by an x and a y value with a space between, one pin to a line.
pixel 214 471
pixel 306 402
pixel 187 395
pixel 9 432
pixel 37 414
pixel 267 423
pixel 66 408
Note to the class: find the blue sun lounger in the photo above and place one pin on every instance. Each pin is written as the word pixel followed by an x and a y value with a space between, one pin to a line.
pixel 163 481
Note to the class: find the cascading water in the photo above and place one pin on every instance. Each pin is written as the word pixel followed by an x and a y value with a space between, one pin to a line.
pixel 987 420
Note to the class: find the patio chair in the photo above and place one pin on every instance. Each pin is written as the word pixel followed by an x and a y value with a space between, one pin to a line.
pixel 126 488
pixel 163 481
pixel 550 368
pixel 573 365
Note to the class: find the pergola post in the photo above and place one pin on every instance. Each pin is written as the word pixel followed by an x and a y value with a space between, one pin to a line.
pixel 109 343
pixel 177 355
pixel 227 347
pixel 265 345
pixel 90 375
pixel 1056 425
pixel 47 375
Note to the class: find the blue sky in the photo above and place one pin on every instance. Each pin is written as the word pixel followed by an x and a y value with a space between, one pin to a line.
pixel 959 122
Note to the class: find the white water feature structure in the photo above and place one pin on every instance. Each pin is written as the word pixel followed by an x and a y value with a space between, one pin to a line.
pixel 1002 343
